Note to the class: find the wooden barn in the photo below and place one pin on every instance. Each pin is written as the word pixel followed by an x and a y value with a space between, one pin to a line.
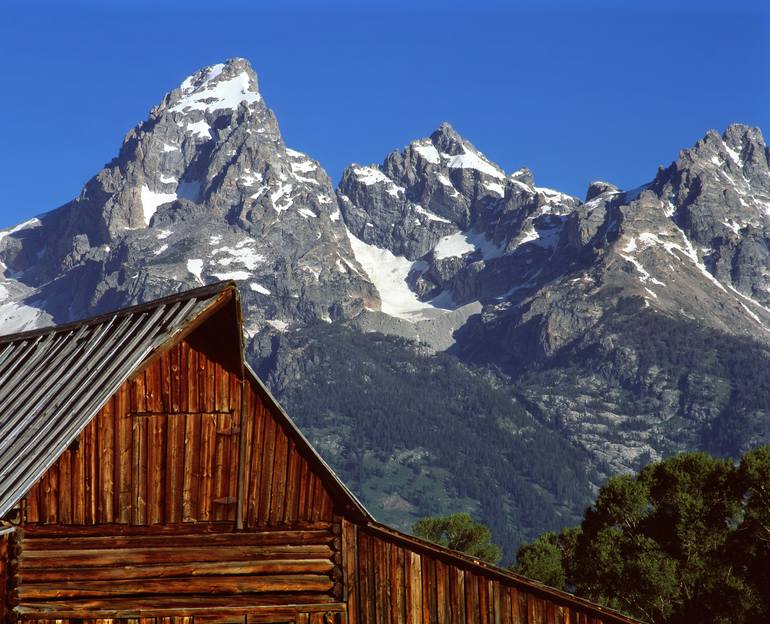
pixel 148 476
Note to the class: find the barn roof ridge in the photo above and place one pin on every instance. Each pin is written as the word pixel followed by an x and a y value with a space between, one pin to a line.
pixel 200 292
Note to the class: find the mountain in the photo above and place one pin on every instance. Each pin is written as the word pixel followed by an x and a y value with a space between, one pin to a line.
pixel 450 336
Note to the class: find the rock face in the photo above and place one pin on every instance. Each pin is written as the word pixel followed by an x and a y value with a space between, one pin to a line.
pixel 434 303
pixel 204 190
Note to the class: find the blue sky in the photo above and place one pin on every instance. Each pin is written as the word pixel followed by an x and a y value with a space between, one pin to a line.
pixel 576 91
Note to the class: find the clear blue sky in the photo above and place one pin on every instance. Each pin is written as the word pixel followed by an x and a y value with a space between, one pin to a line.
pixel 576 91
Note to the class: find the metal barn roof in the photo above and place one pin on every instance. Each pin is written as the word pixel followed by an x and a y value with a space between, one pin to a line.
pixel 53 381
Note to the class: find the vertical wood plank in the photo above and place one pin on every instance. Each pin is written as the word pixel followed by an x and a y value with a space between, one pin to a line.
pixel 207 383
pixel 255 463
pixel 107 469
pixel 77 482
pixel 280 469
pixel 32 501
pixel 350 569
pixel 397 585
pixel 192 454
pixel 65 488
pixel 472 597
pixel 457 594
pixel 365 613
pixel 268 455
pixel 291 487
pixel 176 379
pixel 91 471
pixel 139 477
pixel 442 591
pixel 156 467
pixel 208 448
pixel 221 461
pixel 175 465
pixel 304 484
pixel 124 450
pixel 183 355
pixel 414 612
pixel 193 393
pixel 427 589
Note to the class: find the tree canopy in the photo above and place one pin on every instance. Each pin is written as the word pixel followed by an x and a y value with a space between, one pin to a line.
pixel 459 532
pixel 685 540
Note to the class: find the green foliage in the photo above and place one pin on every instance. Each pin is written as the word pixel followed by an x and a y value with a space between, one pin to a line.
pixel 459 532
pixel 544 559
pixel 685 540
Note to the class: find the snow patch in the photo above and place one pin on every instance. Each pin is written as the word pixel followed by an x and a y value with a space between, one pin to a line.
pixel 243 253
pixel 26 225
pixel 461 243
pixel 428 152
pixel 431 217
pixel 233 275
pixel 495 188
pixel 215 94
pixel 369 176
pixel 279 195
pixel 151 200
pixel 195 266
pixel 472 160
pixel 197 128
pixel 388 273
pixel 278 324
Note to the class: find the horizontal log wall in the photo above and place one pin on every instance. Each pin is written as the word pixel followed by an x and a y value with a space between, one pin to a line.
pixel 389 582
pixel 63 575
pixel 320 616
pixel 166 448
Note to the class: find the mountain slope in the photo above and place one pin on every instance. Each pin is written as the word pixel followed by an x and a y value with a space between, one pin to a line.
pixel 450 335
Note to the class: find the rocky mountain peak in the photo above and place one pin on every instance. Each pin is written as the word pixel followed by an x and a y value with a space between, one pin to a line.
pixel 599 187
pixel 216 87
pixel 447 140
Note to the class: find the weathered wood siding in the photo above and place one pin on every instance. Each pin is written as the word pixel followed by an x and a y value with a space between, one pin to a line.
pixel 390 581
pixel 165 449
pixel 141 517
pixel 196 568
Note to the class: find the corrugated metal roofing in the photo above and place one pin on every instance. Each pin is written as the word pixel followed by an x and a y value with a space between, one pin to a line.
pixel 53 381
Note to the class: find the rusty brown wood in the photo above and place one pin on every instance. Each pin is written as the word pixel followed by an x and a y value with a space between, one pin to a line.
pixel 64 466
pixel 155 468
pixel 124 443
pixel 106 445
pixel 280 467
pixel 204 585
pixel 266 474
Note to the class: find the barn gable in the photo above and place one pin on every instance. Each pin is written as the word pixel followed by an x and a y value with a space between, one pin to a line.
pixel 165 485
